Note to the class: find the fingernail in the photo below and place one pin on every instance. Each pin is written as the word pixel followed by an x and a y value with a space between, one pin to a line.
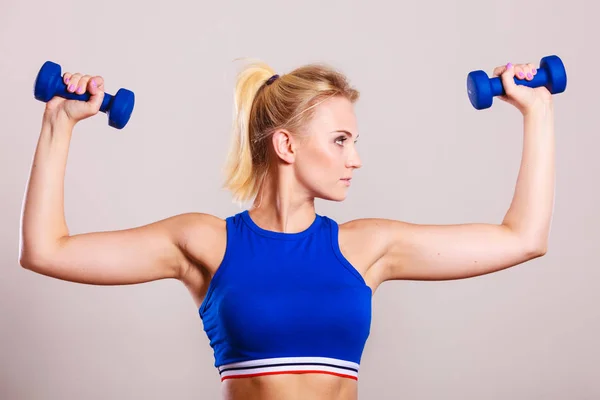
pixel 509 65
pixel 93 83
pixel 520 74
pixel 529 75
pixel 67 80
pixel 70 87
pixel 533 71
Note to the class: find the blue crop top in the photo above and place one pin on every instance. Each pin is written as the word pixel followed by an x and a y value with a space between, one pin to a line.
pixel 285 303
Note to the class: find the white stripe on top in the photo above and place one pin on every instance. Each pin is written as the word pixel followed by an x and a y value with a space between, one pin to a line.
pixel 282 365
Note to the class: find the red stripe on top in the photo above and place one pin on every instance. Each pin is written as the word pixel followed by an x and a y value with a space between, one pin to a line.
pixel 288 372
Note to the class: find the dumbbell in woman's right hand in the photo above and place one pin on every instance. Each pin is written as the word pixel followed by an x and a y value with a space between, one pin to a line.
pixel 51 83
pixel 77 110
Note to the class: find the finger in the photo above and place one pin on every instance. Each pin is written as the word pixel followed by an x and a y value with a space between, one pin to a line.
pixel 499 70
pixel 520 72
pixel 529 71
pixel 507 78
pixel 95 84
pixel 524 71
pixel 533 69
pixel 96 90
pixel 67 77
pixel 82 84
pixel 73 82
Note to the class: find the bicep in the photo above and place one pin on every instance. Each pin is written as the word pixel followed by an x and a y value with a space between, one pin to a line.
pixel 136 255
pixel 444 252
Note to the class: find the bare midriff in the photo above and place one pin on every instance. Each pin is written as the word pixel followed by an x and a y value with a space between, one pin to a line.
pixel 306 386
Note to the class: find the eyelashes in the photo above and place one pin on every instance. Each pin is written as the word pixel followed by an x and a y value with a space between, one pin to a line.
pixel 342 139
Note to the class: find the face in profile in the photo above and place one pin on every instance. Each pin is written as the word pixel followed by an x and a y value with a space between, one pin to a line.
pixel 327 156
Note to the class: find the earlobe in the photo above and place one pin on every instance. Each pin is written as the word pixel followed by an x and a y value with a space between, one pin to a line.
pixel 284 146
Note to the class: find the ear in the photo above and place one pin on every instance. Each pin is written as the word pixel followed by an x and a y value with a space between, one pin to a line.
pixel 284 145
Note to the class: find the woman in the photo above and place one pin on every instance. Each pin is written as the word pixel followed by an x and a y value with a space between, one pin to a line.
pixel 285 293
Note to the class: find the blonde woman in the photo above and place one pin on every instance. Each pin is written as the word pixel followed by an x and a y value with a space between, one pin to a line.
pixel 284 293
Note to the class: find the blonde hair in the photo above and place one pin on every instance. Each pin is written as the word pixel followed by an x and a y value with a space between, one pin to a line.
pixel 261 109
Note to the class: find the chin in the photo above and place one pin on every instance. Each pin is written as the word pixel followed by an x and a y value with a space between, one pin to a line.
pixel 329 192
pixel 338 197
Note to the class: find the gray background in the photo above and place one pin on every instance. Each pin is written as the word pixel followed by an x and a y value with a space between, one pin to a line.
pixel 530 332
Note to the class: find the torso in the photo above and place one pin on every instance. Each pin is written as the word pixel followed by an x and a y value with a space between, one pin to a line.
pixel 292 386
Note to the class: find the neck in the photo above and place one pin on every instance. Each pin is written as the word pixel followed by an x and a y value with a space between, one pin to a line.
pixel 282 205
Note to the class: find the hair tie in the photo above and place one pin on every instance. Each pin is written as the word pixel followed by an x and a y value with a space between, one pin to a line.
pixel 272 79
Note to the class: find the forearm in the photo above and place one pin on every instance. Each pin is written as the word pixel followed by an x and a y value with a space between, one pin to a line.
pixel 43 219
pixel 530 212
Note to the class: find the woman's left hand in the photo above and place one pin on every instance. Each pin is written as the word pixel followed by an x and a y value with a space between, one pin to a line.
pixel 522 97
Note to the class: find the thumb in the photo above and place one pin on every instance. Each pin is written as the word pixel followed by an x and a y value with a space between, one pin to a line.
pixel 96 90
pixel 54 102
pixel 508 79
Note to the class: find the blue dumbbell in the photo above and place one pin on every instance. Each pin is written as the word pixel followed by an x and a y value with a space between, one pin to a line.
pixel 481 89
pixel 49 83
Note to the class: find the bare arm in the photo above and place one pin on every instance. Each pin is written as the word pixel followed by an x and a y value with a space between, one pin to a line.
pixel 128 256
pixel 159 250
pixel 440 252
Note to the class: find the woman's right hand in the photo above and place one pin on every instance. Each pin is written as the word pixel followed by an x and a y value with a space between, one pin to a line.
pixel 77 110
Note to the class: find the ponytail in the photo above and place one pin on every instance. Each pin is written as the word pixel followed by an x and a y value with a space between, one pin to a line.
pixel 241 178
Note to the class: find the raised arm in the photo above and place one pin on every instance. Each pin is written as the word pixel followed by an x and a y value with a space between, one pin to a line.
pixel 439 252
pixel 164 249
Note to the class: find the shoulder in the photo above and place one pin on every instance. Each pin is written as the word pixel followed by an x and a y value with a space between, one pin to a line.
pixel 380 235
pixel 201 237
pixel 364 242
pixel 197 222
pixel 375 230
pixel 369 231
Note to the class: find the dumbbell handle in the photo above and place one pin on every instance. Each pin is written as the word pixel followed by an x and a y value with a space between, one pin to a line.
pixel 539 79
pixel 61 91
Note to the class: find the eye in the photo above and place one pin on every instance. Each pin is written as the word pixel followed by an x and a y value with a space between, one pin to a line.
pixel 340 140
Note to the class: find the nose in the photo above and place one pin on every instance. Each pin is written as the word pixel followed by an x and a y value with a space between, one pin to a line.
pixel 354 160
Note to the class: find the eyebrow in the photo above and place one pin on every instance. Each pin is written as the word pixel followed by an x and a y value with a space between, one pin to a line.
pixel 346 132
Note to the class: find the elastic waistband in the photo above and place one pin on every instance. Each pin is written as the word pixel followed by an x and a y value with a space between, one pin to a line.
pixel 289 365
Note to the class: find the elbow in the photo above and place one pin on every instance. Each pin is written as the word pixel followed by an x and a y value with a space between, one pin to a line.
pixel 36 256
pixel 24 258
pixel 531 243
pixel 31 261
pixel 536 248
pixel 24 263
pixel 27 261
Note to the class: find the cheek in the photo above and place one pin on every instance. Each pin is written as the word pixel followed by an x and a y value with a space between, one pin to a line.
pixel 318 164
pixel 324 158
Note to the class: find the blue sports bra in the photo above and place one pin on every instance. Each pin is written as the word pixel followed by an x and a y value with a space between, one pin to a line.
pixel 285 303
